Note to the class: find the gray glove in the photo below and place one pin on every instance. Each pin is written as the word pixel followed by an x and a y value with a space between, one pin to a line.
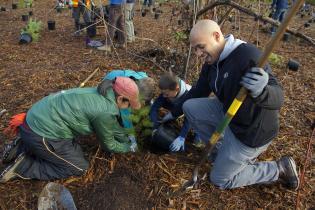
pixel 255 80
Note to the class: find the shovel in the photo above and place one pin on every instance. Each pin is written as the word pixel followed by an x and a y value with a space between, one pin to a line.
pixel 89 77
pixel 237 102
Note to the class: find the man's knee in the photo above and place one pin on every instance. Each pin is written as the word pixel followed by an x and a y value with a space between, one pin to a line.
pixel 189 107
pixel 220 181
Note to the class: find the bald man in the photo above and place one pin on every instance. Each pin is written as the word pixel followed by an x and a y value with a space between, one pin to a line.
pixel 228 66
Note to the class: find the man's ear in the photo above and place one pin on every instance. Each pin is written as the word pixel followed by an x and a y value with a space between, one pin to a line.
pixel 177 87
pixel 216 36
pixel 119 99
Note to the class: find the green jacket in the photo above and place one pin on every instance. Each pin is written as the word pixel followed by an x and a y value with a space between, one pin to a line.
pixel 80 111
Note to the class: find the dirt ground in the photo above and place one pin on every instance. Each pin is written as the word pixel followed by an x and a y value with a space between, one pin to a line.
pixel 143 180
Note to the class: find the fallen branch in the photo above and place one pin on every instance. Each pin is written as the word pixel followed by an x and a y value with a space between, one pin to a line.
pixel 307 161
pixel 256 16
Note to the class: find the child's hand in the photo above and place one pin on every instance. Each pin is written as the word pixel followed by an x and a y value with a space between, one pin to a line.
pixel 167 117
pixel 178 144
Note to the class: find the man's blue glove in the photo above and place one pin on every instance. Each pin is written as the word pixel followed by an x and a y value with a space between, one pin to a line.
pixel 255 80
pixel 133 146
pixel 178 144
pixel 167 117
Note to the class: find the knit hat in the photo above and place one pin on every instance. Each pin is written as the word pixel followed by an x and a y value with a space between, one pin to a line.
pixel 127 88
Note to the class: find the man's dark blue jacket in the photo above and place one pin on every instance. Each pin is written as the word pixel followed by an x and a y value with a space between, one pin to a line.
pixel 256 123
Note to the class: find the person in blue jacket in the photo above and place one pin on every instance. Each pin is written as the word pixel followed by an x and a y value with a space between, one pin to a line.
pixel 280 7
pixel 173 89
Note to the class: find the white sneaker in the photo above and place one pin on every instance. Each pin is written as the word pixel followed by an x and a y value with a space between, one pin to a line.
pixel 106 48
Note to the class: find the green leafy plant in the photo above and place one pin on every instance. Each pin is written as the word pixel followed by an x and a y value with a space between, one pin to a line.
pixel 25 3
pixel 275 59
pixel 33 28
pixel 142 125
pixel 180 36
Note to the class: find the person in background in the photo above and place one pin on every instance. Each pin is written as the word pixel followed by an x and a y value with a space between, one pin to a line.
pixel 129 13
pixel 148 4
pixel 81 7
pixel 47 149
pixel 116 23
pixel 279 7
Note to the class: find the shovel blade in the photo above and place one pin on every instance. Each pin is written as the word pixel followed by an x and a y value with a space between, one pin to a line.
pixel 188 185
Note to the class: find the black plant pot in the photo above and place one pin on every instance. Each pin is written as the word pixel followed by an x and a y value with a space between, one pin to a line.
pixel 156 15
pixel 14 6
pixel 293 65
pixel 30 13
pixel 164 136
pixel 91 30
pixel 25 38
pixel 25 17
pixel 51 25
pixel 286 37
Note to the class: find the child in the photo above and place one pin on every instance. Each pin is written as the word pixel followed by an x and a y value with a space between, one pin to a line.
pixel 172 88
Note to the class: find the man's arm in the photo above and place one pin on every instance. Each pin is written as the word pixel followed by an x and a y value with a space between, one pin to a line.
pixel 201 89
pixel 111 138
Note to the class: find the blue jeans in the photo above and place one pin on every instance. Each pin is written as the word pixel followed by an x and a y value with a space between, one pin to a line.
pixel 278 16
pixel 148 2
pixel 234 165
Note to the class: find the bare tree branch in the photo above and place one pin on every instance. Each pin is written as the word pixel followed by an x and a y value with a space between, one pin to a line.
pixel 253 14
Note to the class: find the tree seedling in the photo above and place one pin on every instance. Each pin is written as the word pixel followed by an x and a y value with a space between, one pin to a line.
pixel 142 125
pixel 275 59
pixel 33 28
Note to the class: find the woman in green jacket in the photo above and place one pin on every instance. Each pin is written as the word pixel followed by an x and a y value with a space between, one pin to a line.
pixel 47 147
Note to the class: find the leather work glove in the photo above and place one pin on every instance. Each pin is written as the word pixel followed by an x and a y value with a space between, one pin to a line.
pixel 255 80
pixel 167 117
pixel 178 144
pixel 133 146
